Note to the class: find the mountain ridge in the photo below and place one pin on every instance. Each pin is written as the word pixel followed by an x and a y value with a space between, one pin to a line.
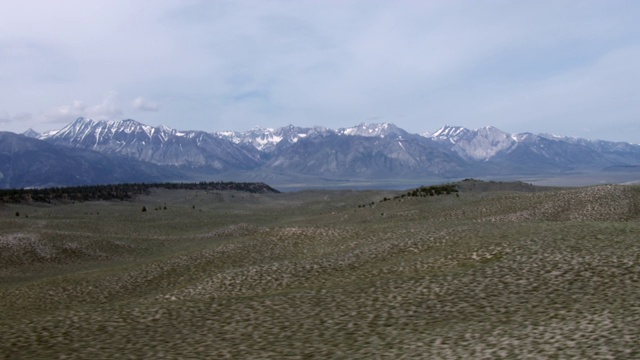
pixel 293 133
pixel 375 151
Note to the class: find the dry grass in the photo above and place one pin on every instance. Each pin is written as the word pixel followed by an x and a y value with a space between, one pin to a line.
pixel 310 275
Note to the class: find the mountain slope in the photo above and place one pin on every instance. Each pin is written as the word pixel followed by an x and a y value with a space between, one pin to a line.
pixel 270 140
pixel 267 139
pixel 331 154
pixel 373 130
pixel 27 162
pixel 480 144
pixel 534 153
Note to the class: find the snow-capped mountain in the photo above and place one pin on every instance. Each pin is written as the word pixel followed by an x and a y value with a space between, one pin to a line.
pixel 267 139
pixel 350 156
pixel 159 145
pixel 103 134
pixel 620 151
pixel 364 151
pixel 373 130
pixel 480 144
pixel 448 133
pixel 533 153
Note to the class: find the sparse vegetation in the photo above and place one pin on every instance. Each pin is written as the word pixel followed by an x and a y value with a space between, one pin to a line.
pixel 424 191
pixel 497 274
pixel 433 190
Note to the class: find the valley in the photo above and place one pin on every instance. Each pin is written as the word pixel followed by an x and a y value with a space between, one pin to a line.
pixel 495 270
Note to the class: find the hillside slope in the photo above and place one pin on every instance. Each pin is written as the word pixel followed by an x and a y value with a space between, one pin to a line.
pixel 27 162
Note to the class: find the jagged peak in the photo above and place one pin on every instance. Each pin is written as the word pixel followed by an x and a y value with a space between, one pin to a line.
pixel 31 133
pixel 449 131
pixel 371 129
pixel 493 131
pixel 77 125
pixel 264 138
pixel 525 136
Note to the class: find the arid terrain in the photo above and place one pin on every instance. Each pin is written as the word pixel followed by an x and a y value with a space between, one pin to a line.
pixel 493 271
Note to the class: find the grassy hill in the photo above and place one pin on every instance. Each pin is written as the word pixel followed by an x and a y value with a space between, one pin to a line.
pixel 213 274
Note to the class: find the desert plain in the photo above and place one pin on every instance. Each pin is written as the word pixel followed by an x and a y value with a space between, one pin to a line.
pixel 496 270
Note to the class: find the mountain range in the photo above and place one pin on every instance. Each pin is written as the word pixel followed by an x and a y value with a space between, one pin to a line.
pixel 93 152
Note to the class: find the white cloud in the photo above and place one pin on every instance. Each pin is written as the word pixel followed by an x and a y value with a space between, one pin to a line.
pixel 142 104
pixel 107 109
pixel 591 100
pixel 65 113
pixel 18 121
pixel 320 63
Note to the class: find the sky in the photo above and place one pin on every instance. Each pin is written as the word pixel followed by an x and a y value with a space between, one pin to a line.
pixel 563 67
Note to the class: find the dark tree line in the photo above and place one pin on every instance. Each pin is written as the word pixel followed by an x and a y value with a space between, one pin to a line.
pixel 433 190
pixel 250 187
pixel 119 191
pixel 423 191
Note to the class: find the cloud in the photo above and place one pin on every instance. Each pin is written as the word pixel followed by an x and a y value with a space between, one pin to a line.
pixel 234 64
pixel 590 100
pixel 65 113
pixel 20 118
pixel 142 104
pixel 107 109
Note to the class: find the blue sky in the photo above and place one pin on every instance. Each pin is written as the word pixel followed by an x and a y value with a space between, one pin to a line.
pixel 564 67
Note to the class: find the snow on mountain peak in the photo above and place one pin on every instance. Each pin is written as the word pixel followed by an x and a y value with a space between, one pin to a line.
pixel 101 133
pixel 449 131
pixel 131 138
pixel 265 139
pixel 479 144
pixel 372 130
